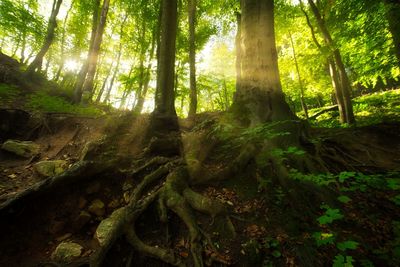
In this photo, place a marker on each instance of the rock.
(82, 203)
(63, 237)
(50, 168)
(93, 188)
(66, 252)
(83, 218)
(56, 227)
(113, 204)
(26, 149)
(97, 207)
(104, 230)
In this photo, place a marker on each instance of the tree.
(88, 70)
(165, 95)
(192, 56)
(51, 27)
(393, 17)
(259, 98)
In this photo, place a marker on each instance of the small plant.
(330, 215)
(324, 238)
(344, 199)
(343, 246)
(343, 261)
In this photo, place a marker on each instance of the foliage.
(330, 215)
(8, 93)
(43, 102)
(343, 261)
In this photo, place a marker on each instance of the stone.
(50, 168)
(104, 230)
(56, 227)
(26, 149)
(83, 218)
(97, 207)
(113, 204)
(93, 188)
(66, 252)
(82, 203)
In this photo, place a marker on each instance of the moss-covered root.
(165, 255)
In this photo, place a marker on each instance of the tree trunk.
(103, 87)
(393, 17)
(260, 98)
(192, 57)
(238, 39)
(62, 52)
(88, 85)
(23, 48)
(165, 95)
(343, 78)
(83, 72)
(332, 71)
(302, 100)
(142, 96)
(52, 25)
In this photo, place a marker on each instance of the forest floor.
(348, 215)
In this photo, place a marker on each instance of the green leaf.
(330, 215)
(393, 184)
(344, 199)
(323, 238)
(343, 261)
(276, 253)
(343, 176)
(343, 246)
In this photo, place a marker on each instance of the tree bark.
(78, 89)
(343, 78)
(165, 95)
(103, 87)
(260, 98)
(88, 85)
(52, 25)
(192, 57)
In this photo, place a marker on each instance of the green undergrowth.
(369, 109)
(43, 102)
(8, 94)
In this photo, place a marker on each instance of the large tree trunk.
(192, 56)
(88, 85)
(84, 69)
(343, 78)
(52, 25)
(165, 95)
(260, 98)
(393, 17)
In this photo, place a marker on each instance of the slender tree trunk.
(337, 86)
(78, 89)
(107, 98)
(88, 85)
(103, 87)
(142, 96)
(127, 90)
(225, 90)
(165, 95)
(260, 98)
(23, 48)
(15, 50)
(393, 17)
(302, 100)
(62, 52)
(238, 41)
(192, 57)
(343, 78)
(52, 25)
